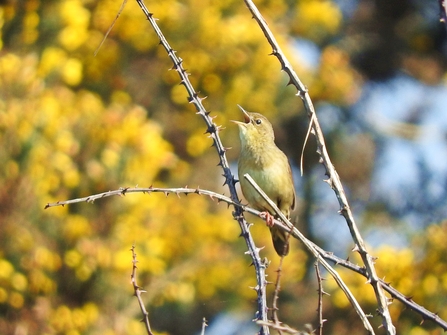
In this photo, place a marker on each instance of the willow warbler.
(269, 167)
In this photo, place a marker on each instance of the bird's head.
(255, 130)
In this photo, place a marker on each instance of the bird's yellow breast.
(271, 171)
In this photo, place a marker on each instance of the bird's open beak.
(246, 118)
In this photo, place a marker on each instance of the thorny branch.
(275, 308)
(204, 325)
(443, 11)
(320, 290)
(138, 291)
(333, 178)
(329, 256)
(213, 131)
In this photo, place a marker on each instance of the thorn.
(211, 129)
(299, 94)
(355, 249)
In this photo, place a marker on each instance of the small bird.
(269, 167)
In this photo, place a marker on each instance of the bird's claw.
(268, 218)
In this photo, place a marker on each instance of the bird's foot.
(268, 218)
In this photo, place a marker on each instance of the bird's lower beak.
(239, 123)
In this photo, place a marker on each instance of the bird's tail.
(280, 241)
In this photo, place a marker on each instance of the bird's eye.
(258, 121)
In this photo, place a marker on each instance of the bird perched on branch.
(269, 167)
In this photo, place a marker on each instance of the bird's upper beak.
(246, 118)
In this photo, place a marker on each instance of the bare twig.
(275, 308)
(320, 290)
(280, 327)
(443, 11)
(213, 131)
(122, 191)
(204, 325)
(333, 178)
(111, 27)
(138, 291)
